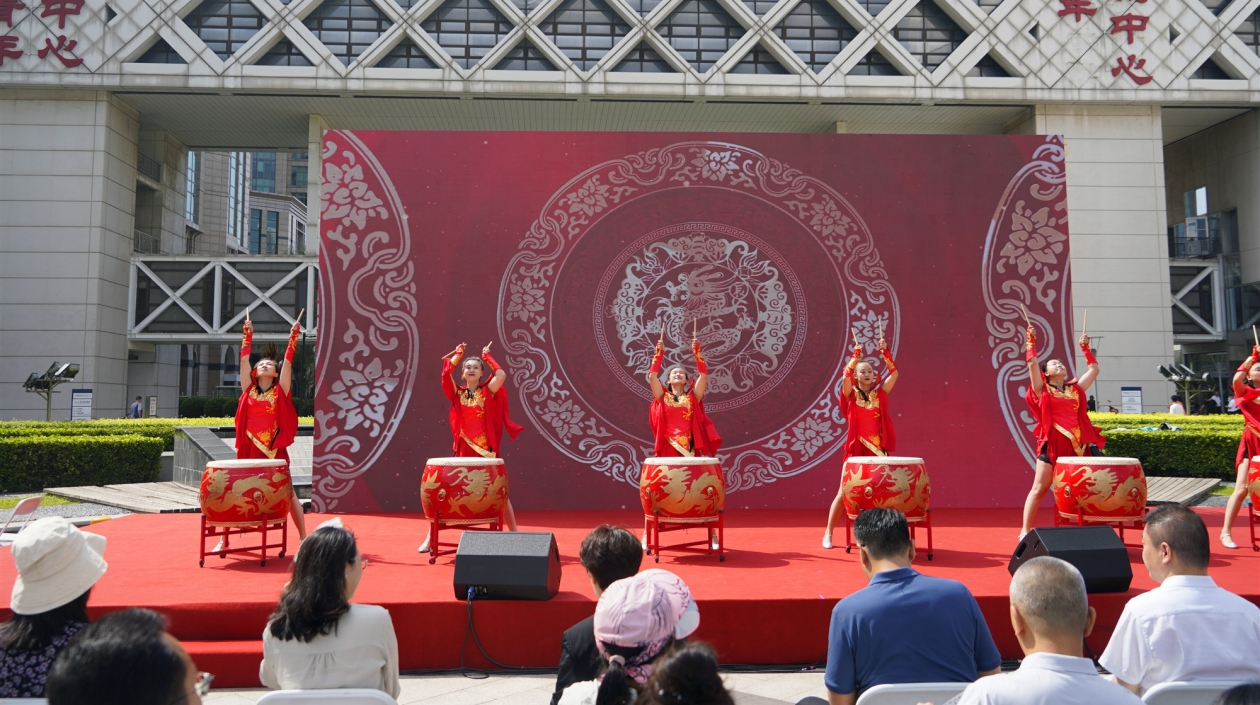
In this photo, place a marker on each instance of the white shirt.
(1186, 629)
(1048, 679)
(1176, 408)
(362, 652)
(583, 693)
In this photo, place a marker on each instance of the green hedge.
(1133, 421)
(1178, 453)
(159, 428)
(192, 407)
(31, 463)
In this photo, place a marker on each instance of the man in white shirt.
(1187, 628)
(1051, 617)
(1176, 407)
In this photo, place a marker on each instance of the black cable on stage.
(479, 674)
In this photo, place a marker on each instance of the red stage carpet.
(769, 603)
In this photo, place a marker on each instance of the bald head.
(1050, 594)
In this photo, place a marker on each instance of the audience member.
(903, 627)
(1051, 618)
(126, 658)
(609, 553)
(686, 675)
(1177, 406)
(1187, 628)
(316, 639)
(57, 566)
(637, 620)
(1245, 694)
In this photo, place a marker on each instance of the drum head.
(883, 460)
(698, 460)
(464, 462)
(1095, 460)
(245, 463)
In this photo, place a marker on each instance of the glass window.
(264, 178)
(585, 30)
(701, 31)
(255, 231)
(297, 175)
(273, 232)
(225, 25)
(191, 191)
(236, 198)
(816, 32)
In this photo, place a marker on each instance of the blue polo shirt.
(907, 628)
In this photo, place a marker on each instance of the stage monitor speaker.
(507, 565)
(1096, 551)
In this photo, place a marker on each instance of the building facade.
(108, 106)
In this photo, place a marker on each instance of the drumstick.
(1256, 337)
(881, 329)
(693, 329)
(1021, 307)
(1085, 323)
(855, 340)
(299, 316)
(487, 348)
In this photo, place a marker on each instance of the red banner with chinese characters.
(574, 251)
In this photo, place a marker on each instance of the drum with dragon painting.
(1099, 489)
(245, 492)
(886, 482)
(1253, 482)
(455, 490)
(682, 488)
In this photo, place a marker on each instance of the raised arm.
(500, 375)
(286, 373)
(1034, 367)
(448, 368)
(1241, 374)
(1087, 379)
(654, 373)
(846, 381)
(702, 370)
(892, 366)
(247, 342)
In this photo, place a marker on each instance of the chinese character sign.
(1130, 24)
(60, 48)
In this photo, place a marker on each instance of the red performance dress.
(870, 425)
(1063, 427)
(681, 428)
(478, 418)
(266, 424)
(1248, 399)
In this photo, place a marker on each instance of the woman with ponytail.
(637, 620)
(686, 675)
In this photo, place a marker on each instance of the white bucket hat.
(55, 563)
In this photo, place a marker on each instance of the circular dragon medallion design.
(676, 239)
(727, 287)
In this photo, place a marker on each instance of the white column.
(1118, 230)
(314, 181)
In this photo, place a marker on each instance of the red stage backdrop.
(573, 250)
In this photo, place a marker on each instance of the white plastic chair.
(24, 510)
(338, 696)
(1188, 692)
(910, 693)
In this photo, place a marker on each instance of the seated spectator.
(1245, 694)
(316, 639)
(637, 620)
(1187, 628)
(1051, 618)
(57, 566)
(609, 553)
(903, 627)
(686, 674)
(126, 658)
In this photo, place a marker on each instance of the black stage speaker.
(507, 565)
(1096, 551)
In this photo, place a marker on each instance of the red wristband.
(701, 366)
(494, 366)
(888, 361)
(1030, 346)
(247, 343)
(1089, 355)
(288, 352)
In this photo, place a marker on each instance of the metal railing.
(146, 244)
(149, 167)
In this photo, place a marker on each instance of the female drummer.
(864, 403)
(479, 413)
(266, 421)
(1063, 427)
(680, 428)
(1247, 396)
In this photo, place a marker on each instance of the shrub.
(1134, 421)
(31, 463)
(192, 407)
(305, 407)
(221, 407)
(1189, 453)
(112, 427)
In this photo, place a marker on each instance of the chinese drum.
(245, 492)
(1253, 482)
(1100, 489)
(464, 490)
(886, 482)
(682, 488)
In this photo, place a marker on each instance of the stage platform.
(769, 603)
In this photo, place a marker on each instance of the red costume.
(680, 427)
(266, 422)
(870, 424)
(478, 418)
(1063, 426)
(1248, 401)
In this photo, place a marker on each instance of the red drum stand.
(657, 525)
